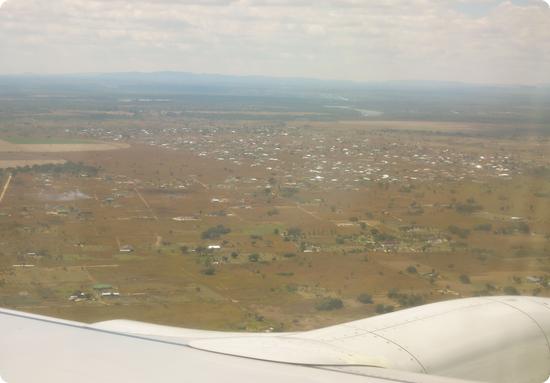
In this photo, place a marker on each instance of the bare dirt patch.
(8, 147)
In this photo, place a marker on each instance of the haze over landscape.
(343, 190)
(488, 41)
(264, 165)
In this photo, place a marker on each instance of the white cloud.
(509, 41)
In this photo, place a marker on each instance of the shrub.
(329, 304)
(405, 300)
(294, 232)
(272, 212)
(383, 309)
(510, 290)
(215, 232)
(382, 237)
(365, 298)
(464, 279)
(289, 192)
(292, 288)
(484, 227)
(209, 270)
(412, 270)
(458, 231)
(254, 257)
(468, 208)
(286, 274)
(522, 227)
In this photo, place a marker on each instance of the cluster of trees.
(464, 279)
(329, 304)
(288, 192)
(215, 232)
(384, 309)
(406, 300)
(209, 270)
(510, 290)
(484, 227)
(517, 227)
(68, 167)
(471, 206)
(365, 298)
(458, 231)
(382, 237)
(293, 233)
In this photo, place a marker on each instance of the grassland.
(76, 244)
(251, 225)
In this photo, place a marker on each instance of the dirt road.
(5, 189)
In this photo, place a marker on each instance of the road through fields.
(5, 189)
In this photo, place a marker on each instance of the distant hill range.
(397, 100)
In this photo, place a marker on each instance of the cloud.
(463, 40)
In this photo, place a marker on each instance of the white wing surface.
(479, 339)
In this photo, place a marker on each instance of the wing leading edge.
(502, 339)
(35, 348)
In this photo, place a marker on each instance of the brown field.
(8, 147)
(378, 212)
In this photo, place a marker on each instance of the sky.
(477, 41)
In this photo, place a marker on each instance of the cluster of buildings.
(332, 158)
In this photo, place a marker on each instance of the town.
(266, 223)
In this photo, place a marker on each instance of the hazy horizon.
(465, 41)
(267, 77)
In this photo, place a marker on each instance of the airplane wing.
(461, 339)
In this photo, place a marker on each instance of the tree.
(210, 270)
(510, 290)
(383, 309)
(329, 304)
(365, 298)
(460, 232)
(464, 279)
(215, 232)
(294, 232)
(484, 227)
